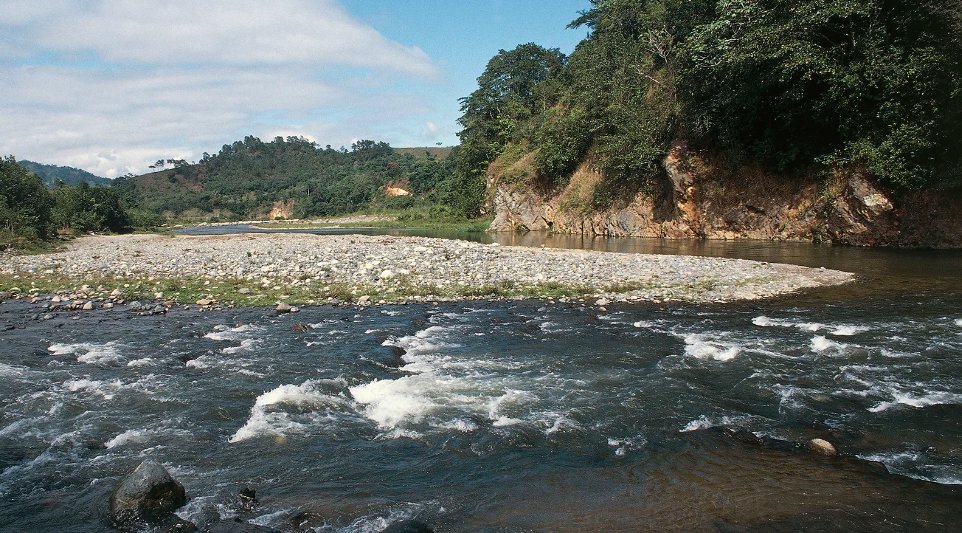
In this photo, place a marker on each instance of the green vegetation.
(293, 176)
(32, 215)
(799, 87)
(51, 174)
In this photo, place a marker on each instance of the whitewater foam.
(702, 346)
(842, 330)
(268, 418)
(227, 333)
(89, 352)
(918, 400)
(244, 346)
(821, 344)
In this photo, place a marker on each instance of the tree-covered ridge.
(794, 86)
(245, 179)
(30, 213)
(51, 174)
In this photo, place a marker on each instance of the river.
(509, 416)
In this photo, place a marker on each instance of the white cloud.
(147, 80)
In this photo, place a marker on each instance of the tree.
(506, 98)
(25, 204)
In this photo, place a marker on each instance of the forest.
(798, 87)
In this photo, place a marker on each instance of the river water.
(509, 416)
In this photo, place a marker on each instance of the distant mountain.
(69, 175)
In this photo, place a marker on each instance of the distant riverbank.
(259, 269)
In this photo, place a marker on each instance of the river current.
(512, 415)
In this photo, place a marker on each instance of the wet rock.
(283, 308)
(823, 447)
(5, 295)
(300, 328)
(148, 493)
(602, 302)
(248, 498)
(408, 526)
(236, 526)
(89, 306)
(179, 525)
(135, 306)
(397, 351)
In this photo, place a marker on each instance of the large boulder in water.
(149, 494)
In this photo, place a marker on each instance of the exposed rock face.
(148, 493)
(698, 200)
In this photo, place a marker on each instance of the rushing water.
(509, 416)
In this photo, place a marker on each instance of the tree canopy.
(795, 86)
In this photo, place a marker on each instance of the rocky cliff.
(699, 199)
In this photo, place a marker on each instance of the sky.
(110, 86)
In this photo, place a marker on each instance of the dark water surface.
(509, 416)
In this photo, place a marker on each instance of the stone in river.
(823, 447)
(283, 308)
(148, 493)
(89, 306)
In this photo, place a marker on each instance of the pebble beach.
(398, 269)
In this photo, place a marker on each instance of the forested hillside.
(797, 88)
(51, 174)
(250, 178)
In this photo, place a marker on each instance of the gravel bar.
(420, 268)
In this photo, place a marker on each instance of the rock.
(248, 498)
(56, 299)
(8, 327)
(823, 447)
(386, 274)
(108, 305)
(300, 328)
(115, 293)
(244, 290)
(179, 525)
(408, 526)
(364, 300)
(5, 295)
(236, 526)
(283, 308)
(135, 306)
(158, 310)
(204, 302)
(148, 493)
(602, 302)
(89, 306)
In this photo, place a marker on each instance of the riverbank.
(260, 269)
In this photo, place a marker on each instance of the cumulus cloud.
(110, 86)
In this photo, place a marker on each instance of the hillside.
(771, 119)
(50, 174)
(287, 178)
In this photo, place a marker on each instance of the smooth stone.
(148, 493)
(89, 306)
(283, 308)
(823, 447)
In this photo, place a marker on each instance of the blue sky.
(112, 85)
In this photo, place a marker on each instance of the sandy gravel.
(420, 267)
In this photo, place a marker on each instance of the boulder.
(149, 494)
(89, 306)
(823, 447)
(283, 308)
(204, 302)
(408, 526)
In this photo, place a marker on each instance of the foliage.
(247, 177)
(30, 213)
(794, 86)
(511, 90)
(82, 208)
(25, 205)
